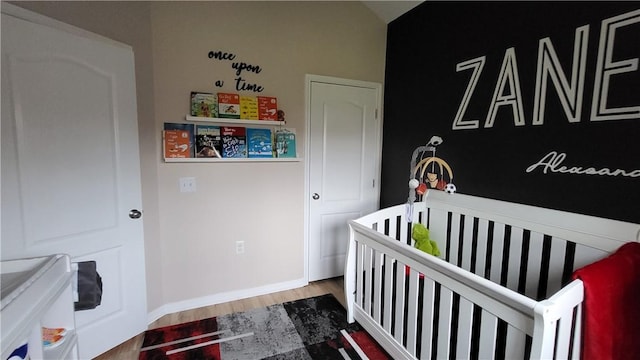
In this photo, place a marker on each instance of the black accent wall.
(574, 158)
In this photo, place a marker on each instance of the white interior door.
(344, 154)
(70, 165)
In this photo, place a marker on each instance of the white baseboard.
(222, 298)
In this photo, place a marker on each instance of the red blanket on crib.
(611, 313)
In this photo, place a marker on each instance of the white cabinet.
(36, 294)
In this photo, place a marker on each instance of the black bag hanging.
(89, 286)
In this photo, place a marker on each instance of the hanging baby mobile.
(429, 171)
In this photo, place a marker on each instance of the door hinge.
(376, 113)
(373, 183)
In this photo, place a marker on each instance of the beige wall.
(259, 203)
(190, 237)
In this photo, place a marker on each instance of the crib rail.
(491, 295)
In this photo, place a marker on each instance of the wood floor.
(129, 349)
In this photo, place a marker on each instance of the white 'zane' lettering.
(570, 90)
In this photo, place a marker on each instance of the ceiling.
(390, 10)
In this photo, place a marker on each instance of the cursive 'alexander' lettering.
(552, 163)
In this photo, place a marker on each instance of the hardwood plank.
(131, 348)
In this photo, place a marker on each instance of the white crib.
(501, 289)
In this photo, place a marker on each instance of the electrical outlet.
(239, 247)
(187, 184)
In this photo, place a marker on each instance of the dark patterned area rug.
(313, 328)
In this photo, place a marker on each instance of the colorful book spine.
(234, 142)
(259, 143)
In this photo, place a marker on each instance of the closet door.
(70, 164)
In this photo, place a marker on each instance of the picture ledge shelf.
(234, 121)
(229, 160)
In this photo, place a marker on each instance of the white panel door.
(344, 167)
(70, 166)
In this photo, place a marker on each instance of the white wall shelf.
(231, 160)
(228, 160)
(235, 121)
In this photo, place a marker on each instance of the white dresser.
(37, 294)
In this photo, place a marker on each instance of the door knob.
(135, 214)
(315, 196)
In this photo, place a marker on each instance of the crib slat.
(467, 244)
(496, 256)
(534, 264)
(388, 292)
(454, 239)
(556, 261)
(412, 313)
(465, 322)
(488, 335)
(405, 236)
(427, 318)
(481, 247)
(516, 341)
(577, 334)
(398, 316)
(359, 273)
(377, 286)
(564, 336)
(515, 253)
(368, 256)
(392, 230)
(444, 323)
(438, 228)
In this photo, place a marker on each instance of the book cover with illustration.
(285, 139)
(259, 143)
(249, 107)
(267, 108)
(190, 128)
(204, 104)
(234, 141)
(176, 144)
(228, 106)
(208, 141)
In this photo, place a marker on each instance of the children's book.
(234, 141)
(208, 141)
(228, 106)
(285, 139)
(176, 144)
(190, 128)
(267, 108)
(248, 107)
(259, 142)
(204, 104)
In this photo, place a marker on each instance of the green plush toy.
(421, 235)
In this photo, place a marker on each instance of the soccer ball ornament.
(450, 188)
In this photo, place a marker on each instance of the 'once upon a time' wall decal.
(241, 84)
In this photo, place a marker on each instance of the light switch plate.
(187, 184)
